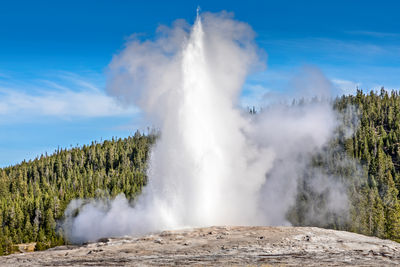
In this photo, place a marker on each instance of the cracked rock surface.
(236, 245)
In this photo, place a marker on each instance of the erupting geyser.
(214, 164)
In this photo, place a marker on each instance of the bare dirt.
(250, 246)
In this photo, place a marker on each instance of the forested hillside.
(376, 145)
(365, 157)
(34, 194)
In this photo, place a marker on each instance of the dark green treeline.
(364, 156)
(376, 146)
(34, 194)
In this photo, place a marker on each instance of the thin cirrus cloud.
(323, 48)
(66, 97)
(374, 34)
(346, 86)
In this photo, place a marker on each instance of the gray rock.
(226, 246)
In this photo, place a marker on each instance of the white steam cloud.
(214, 163)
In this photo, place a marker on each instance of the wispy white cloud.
(68, 97)
(335, 48)
(374, 34)
(53, 85)
(66, 103)
(77, 80)
(345, 86)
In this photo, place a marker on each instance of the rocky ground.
(250, 246)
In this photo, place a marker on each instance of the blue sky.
(53, 55)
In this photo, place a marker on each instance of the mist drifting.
(214, 164)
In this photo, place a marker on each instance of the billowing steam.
(214, 163)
